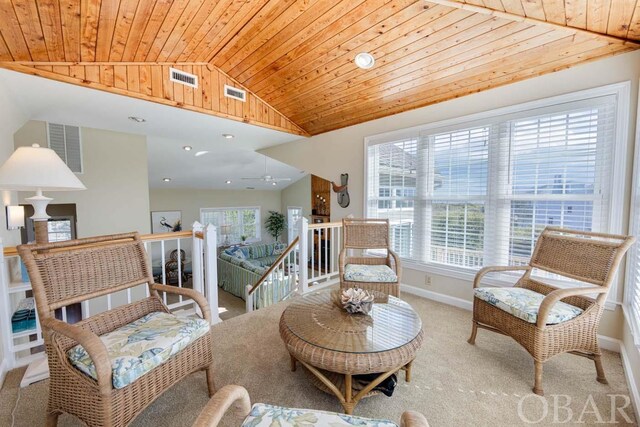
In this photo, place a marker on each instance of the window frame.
(258, 210)
(490, 117)
(632, 318)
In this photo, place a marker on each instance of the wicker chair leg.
(52, 419)
(537, 387)
(474, 332)
(601, 378)
(210, 383)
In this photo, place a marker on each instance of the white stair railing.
(279, 282)
(324, 242)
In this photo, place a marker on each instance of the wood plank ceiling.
(295, 57)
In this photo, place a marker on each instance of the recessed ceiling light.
(228, 181)
(274, 183)
(187, 148)
(227, 135)
(364, 60)
(201, 153)
(166, 179)
(137, 119)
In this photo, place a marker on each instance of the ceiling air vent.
(65, 141)
(235, 93)
(183, 78)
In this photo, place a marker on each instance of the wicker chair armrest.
(189, 293)
(553, 297)
(396, 263)
(91, 343)
(413, 419)
(219, 404)
(342, 261)
(494, 269)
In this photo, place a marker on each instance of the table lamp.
(225, 230)
(38, 169)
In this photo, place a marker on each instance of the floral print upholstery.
(140, 346)
(525, 303)
(263, 415)
(369, 273)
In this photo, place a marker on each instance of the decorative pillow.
(138, 347)
(525, 303)
(237, 252)
(278, 248)
(263, 415)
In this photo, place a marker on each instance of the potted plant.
(275, 224)
(244, 239)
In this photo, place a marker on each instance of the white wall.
(190, 201)
(342, 150)
(115, 173)
(11, 119)
(298, 194)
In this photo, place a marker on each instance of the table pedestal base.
(341, 385)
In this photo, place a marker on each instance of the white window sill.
(468, 275)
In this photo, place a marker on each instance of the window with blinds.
(632, 282)
(479, 192)
(233, 223)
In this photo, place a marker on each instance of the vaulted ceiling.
(295, 57)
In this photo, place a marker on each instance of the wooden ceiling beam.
(520, 18)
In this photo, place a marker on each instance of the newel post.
(211, 270)
(303, 258)
(197, 257)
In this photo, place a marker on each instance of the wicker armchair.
(590, 258)
(236, 396)
(70, 272)
(362, 234)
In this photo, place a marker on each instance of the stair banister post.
(197, 257)
(303, 259)
(248, 299)
(211, 270)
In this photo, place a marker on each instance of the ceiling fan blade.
(281, 179)
(259, 178)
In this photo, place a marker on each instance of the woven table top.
(320, 320)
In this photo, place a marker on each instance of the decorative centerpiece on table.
(356, 300)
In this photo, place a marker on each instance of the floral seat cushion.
(263, 415)
(525, 303)
(369, 273)
(140, 346)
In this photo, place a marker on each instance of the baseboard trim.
(605, 342)
(631, 383)
(4, 369)
(435, 296)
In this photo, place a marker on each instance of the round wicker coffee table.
(334, 346)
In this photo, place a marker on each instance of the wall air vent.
(181, 77)
(66, 142)
(235, 93)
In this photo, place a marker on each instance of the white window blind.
(479, 193)
(236, 222)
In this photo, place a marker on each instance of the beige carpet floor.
(454, 383)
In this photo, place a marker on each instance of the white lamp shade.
(225, 229)
(15, 217)
(37, 168)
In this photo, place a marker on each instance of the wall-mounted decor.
(166, 221)
(342, 190)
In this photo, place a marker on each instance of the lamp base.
(42, 231)
(39, 203)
